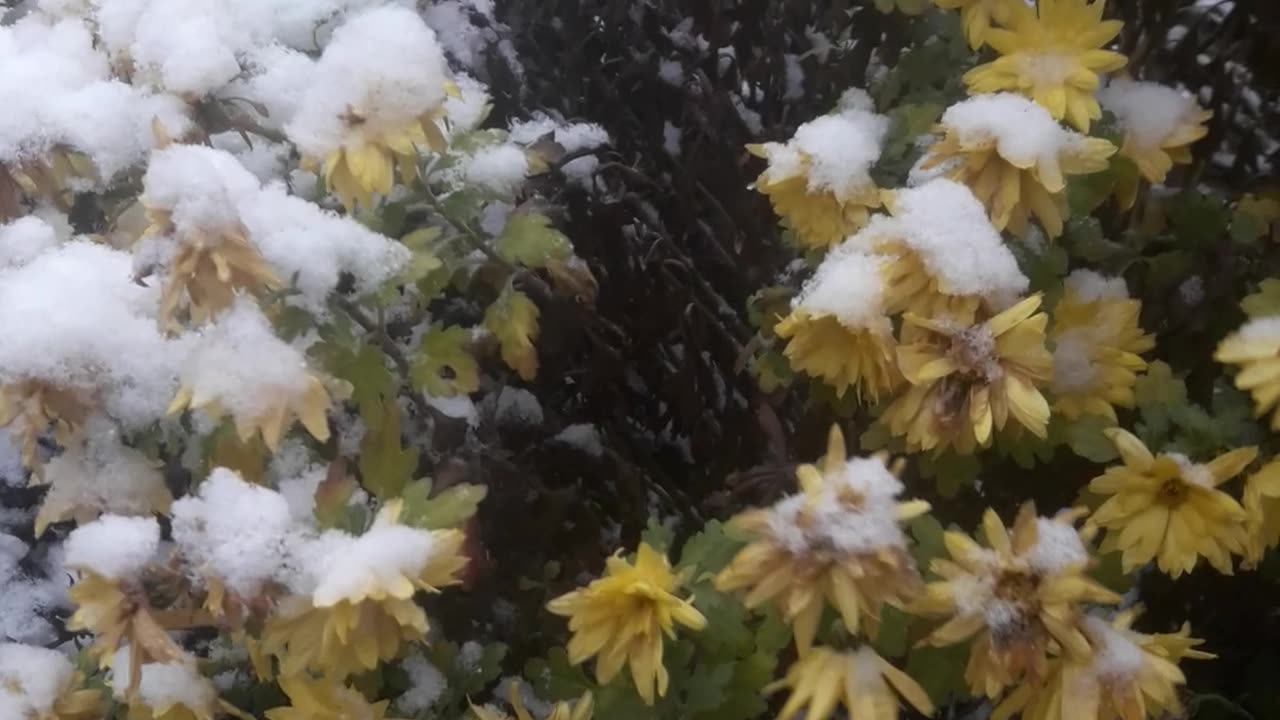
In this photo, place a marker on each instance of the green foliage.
(528, 239)
(443, 366)
(513, 320)
(386, 466)
(450, 508)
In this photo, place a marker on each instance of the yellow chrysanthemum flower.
(907, 7)
(837, 330)
(939, 254)
(1127, 676)
(49, 178)
(370, 159)
(311, 408)
(968, 379)
(272, 386)
(59, 691)
(76, 492)
(579, 709)
(322, 699)
(1097, 346)
(1160, 124)
(978, 16)
(117, 613)
(207, 273)
(621, 618)
(1053, 57)
(197, 700)
(865, 684)
(1255, 347)
(358, 617)
(837, 543)
(39, 407)
(819, 181)
(1018, 595)
(1015, 158)
(1262, 511)
(1168, 508)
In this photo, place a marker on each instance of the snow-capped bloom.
(1014, 157)
(1097, 346)
(1255, 347)
(621, 618)
(324, 699)
(968, 379)
(101, 476)
(367, 114)
(1053, 57)
(360, 609)
(1262, 511)
(1167, 508)
(1127, 675)
(819, 181)
(165, 690)
(43, 685)
(942, 256)
(240, 368)
(838, 543)
(865, 684)
(1017, 595)
(837, 330)
(33, 407)
(1160, 124)
(978, 16)
(112, 554)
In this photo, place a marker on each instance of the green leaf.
(424, 260)
(940, 671)
(1246, 227)
(727, 634)
(657, 536)
(1084, 436)
(950, 470)
(1084, 236)
(529, 240)
(928, 534)
(705, 687)
(448, 509)
(513, 320)
(1158, 394)
(772, 370)
(1043, 263)
(767, 306)
(1109, 572)
(709, 551)
(1168, 269)
(443, 366)
(1264, 302)
(891, 639)
(385, 466)
(371, 380)
(555, 678)
(1198, 220)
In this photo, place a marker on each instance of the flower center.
(1173, 492)
(973, 350)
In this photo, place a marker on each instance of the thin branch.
(393, 351)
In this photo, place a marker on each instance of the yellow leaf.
(513, 320)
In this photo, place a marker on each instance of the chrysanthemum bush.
(270, 273)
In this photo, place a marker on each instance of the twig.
(392, 351)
